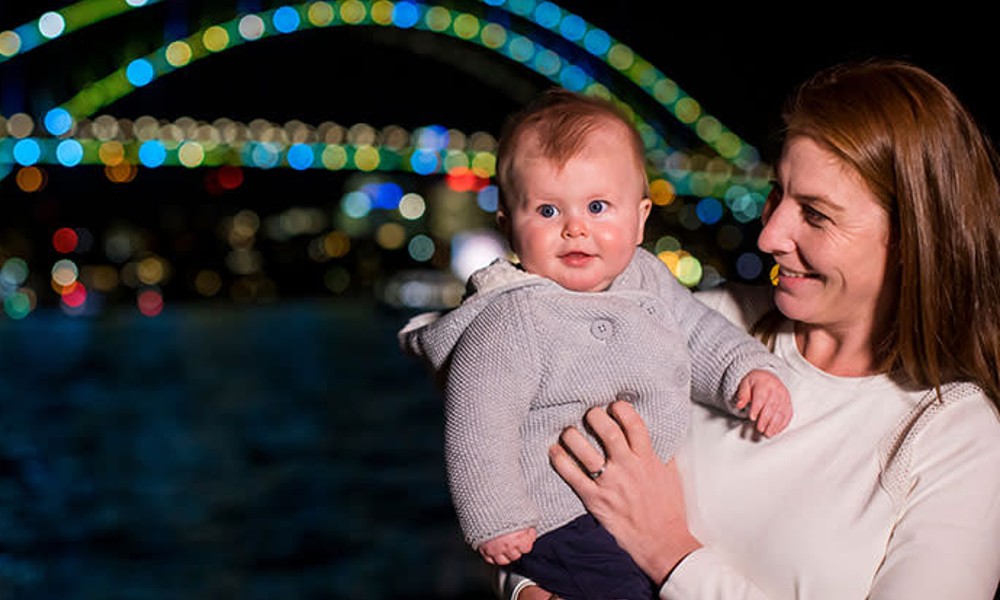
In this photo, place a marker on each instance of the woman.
(884, 221)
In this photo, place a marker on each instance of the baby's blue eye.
(597, 206)
(548, 211)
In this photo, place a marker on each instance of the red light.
(464, 179)
(230, 177)
(76, 297)
(150, 303)
(64, 240)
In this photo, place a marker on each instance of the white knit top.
(873, 491)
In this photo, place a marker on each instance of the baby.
(583, 317)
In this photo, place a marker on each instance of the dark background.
(286, 449)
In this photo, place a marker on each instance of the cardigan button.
(601, 329)
(629, 396)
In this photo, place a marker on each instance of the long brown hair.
(921, 153)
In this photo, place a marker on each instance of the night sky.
(739, 63)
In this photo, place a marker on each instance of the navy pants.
(581, 561)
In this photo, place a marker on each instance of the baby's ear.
(503, 223)
(645, 206)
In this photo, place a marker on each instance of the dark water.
(285, 451)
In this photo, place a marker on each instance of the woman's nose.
(776, 235)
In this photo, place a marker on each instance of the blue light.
(547, 15)
(572, 28)
(286, 19)
(574, 78)
(152, 153)
(749, 265)
(300, 157)
(384, 195)
(421, 248)
(356, 205)
(58, 121)
(433, 137)
(522, 7)
(139, 72)
(709, 211)
(69, 153)
(495, 2)
(27, 152)
(424, 162)
(405, 15)
(264, 155)
(597, 42)
(488, 198)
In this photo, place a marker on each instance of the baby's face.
(578, 225)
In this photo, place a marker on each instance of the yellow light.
(122, 172)
(321, 14)
(366, 158)
(10, 43)
(352, 12)
(493, 36)
(437, 18)
(111, 153)
(729, 145)
(620, 57)
(456, 159)
(151, 270)
(178, 53)
(466, 26)
(687, 110)
(382, 12)
(207, 282)
(670, 258)
(709, 128)
(30, 179)
(689, 270)
(334, 157)
(662, 192)
(215, 38)
(103, 278)
(191, 154)
(666, 91)
(390, 236)
(484, 164)
(336, 244)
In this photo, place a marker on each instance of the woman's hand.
(633, 493)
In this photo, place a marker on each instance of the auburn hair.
(560, 122)
(936, 174)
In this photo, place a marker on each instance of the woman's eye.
(596, 207)
(548, 211)
(813, 216)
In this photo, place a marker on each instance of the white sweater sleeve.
(946, 543)
(702, 575)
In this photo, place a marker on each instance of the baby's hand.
(508, 547)
(770, 405)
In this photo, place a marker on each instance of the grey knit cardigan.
(523, 358)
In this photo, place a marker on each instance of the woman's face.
(829, 235)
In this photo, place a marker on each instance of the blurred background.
(215, 215)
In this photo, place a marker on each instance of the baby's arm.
(768, 400)
(505, 549)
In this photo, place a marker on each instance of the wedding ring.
(597, 473)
